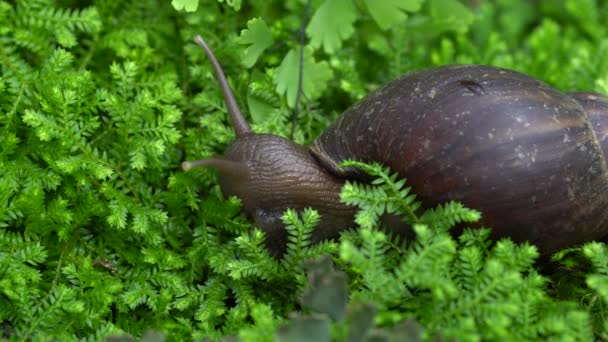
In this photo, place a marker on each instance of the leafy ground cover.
(102, 234)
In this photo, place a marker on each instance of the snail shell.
(521, 152)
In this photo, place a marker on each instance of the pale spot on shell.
(426, 143)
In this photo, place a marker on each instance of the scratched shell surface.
(496, 140)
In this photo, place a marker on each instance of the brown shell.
(521, 152)
(596, 108)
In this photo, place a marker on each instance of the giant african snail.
(527, 156)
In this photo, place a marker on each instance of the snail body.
(529, 157)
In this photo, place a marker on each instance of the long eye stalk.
(241, 127)
(226, 167)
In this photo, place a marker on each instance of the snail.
(531, 158)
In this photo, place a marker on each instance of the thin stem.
(58, 269)
(300, 71)
(90, 52)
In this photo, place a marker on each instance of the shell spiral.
(518, 150)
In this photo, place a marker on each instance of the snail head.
(271, 174)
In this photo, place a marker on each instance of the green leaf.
(187, 5)
(258, 108)
(586, 13)
(236, 4)
(118, 216)
(315, 76)
(602, 85)
(451, 15)
(389, 13)
(328, 29)
(259, 37)
(599, 283)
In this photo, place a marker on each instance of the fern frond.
(428, 261)
(478, 237)
(447, 215)
(139, 294)
(16, 72)
(519, 257)
(258, 264)
(63, 22)
(212, 307)
(469, 265)
(597, 253)
(299, 236)
(264, 327)
(325, 247)
(368, 259)
(33, 39)
(386, 194)
(242, 269)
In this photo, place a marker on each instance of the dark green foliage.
(102, 234)
(464, 290)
